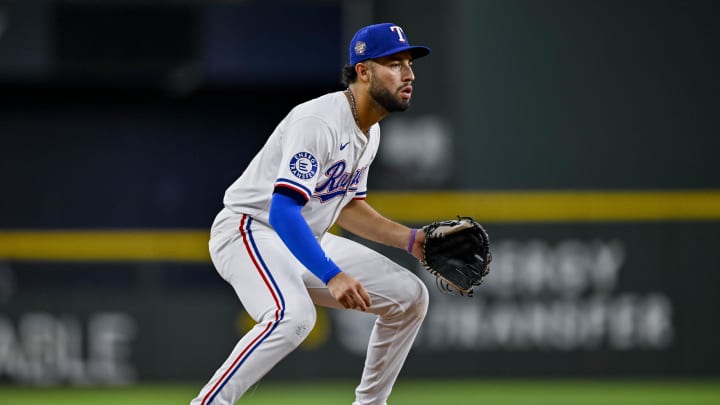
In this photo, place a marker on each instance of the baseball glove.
(457, 252)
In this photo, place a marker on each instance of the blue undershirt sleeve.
(287, 220)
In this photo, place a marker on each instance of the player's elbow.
(283, 209)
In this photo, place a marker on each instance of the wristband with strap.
(413, 233)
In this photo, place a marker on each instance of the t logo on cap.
(379, 40)
(399, 32)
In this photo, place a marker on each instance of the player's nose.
(408, 75)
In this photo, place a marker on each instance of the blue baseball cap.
(376, 41)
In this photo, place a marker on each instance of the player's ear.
(363, 71)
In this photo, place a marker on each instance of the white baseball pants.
(279, 293)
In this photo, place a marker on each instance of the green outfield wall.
(565, 297)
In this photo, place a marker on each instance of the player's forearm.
(288, 222)
(361, 219)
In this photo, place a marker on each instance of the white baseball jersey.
(318, 151)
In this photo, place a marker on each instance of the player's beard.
(385, 98)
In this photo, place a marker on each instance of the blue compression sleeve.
(287, 220)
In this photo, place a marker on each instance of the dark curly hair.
(349, 75)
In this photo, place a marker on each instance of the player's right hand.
(349, 292)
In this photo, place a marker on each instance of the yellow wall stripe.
(555, 206)
(130, 245)
(408, 207)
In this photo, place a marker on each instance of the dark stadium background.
(134, 116)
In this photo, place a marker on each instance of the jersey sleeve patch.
(304, 165)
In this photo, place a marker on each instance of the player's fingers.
(359, 300)
(354, 300)
(346, 302)
(365, 297)
(359, 305)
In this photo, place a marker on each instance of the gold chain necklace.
(353, 107)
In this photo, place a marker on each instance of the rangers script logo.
(338, 182)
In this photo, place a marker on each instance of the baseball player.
(271, 240)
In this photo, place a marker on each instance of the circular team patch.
(303, 165)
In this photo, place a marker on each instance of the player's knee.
(422, 299)
(413, 300)
(297, 322)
